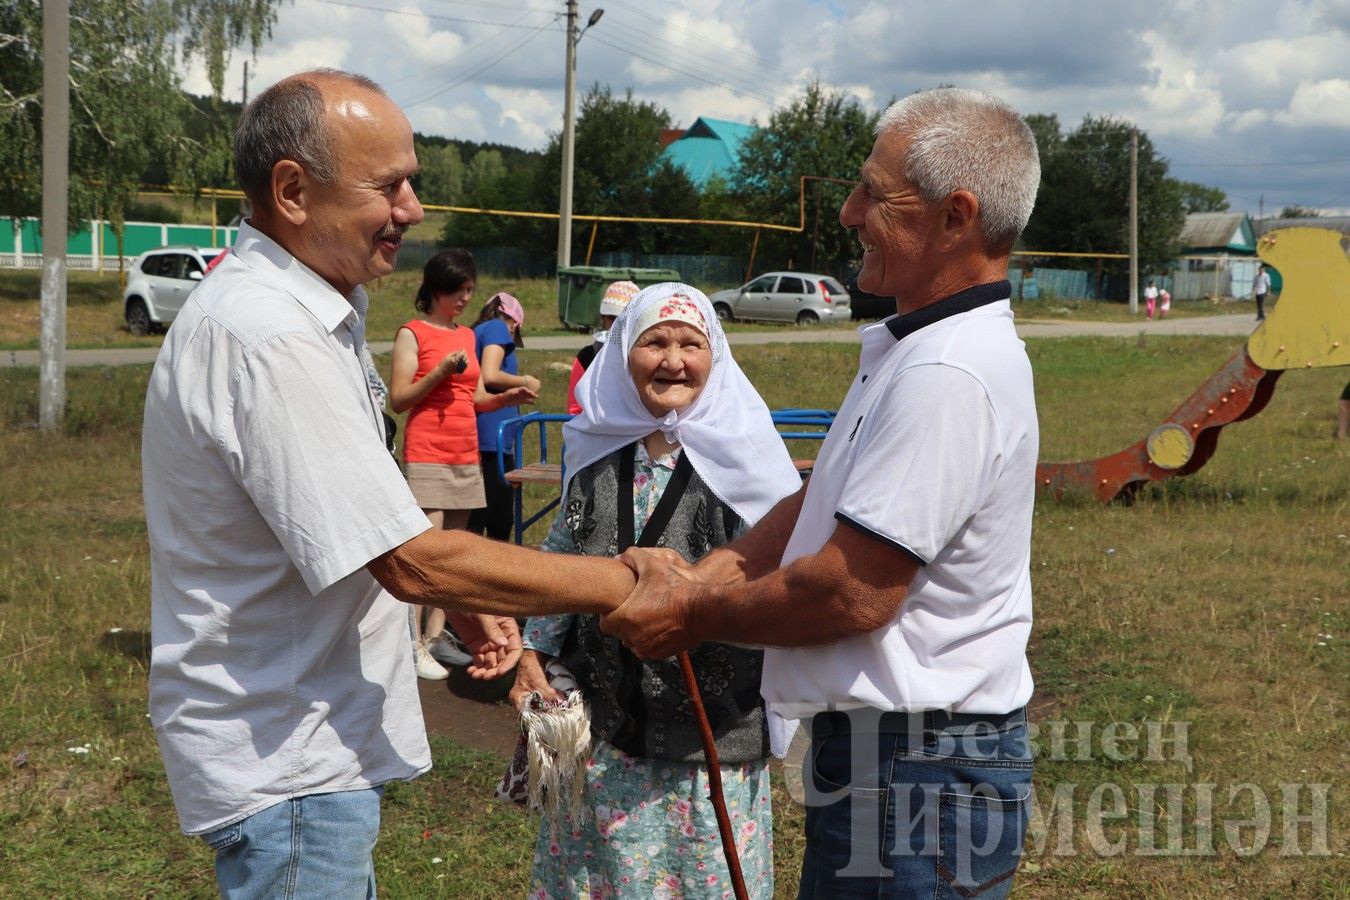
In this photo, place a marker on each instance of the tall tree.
(822, 133)
(616, 173)
(490, 184)
(615, 167)
(441, 179)
(126, 107)
(212, 29)
(1083, 204)
(1199, 198)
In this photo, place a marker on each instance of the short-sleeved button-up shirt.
(279, 667)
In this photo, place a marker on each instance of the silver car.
(800, 297)
(159, 283)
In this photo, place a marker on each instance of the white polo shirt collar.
(902, 327)
(264, 255)
(880, 338)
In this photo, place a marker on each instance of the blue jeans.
(318, 846)
(930, 805)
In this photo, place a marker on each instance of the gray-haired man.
(896, 584)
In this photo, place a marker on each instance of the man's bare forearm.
(757, 552)
(812, 601)
(459, 571)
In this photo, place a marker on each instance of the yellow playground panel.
(1308, 329)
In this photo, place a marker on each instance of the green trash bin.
(581, 287)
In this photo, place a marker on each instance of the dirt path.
(1238, 324)
(474, 713)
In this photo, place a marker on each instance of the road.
(1237, 324)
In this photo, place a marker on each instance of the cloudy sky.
(1252, 96)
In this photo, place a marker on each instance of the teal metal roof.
(709, 147)
(1218, 231)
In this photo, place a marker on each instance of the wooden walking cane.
(719, 800)
(656, 524)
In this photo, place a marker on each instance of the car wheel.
(806, 317)
(723, 311)
(138, 317)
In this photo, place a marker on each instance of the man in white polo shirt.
(282, 689)
(895, 586)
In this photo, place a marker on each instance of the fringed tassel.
(558, 743)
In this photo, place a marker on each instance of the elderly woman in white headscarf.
(673, 448)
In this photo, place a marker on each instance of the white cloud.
(1201, 76)
(1318, 103)
(272, 65)
(532, 115)
(1183, 98)
(463, 121)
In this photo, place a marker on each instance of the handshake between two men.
(659, 604)
(654, 621)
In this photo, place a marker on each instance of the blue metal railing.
(792, 424)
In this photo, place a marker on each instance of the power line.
(420, 15)
(498, 4)
(735, 73)
(480, 48)
(706, 39)
(694, 75)
(479, 70)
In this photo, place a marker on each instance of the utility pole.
(568, 140)
(1134, 221)
(55, 200)
(245, 83)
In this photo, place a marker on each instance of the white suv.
(159, 283)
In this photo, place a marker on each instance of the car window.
(789, 285)
(190, 265)
(761, 285)
(833, 286)
(173, 265)
(153, 265)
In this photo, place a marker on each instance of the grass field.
(1220, 601)
(1106, 311)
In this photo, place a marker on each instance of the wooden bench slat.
(536, 473)
(551, 473)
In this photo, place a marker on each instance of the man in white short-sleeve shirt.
(894, 589)
(282, 688)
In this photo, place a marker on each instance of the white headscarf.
(726, 432)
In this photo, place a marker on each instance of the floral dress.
(649, 829)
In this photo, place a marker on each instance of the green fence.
(94, 243)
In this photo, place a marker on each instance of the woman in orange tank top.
(436, 379)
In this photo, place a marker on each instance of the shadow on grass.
(82, 288)
(131, 644)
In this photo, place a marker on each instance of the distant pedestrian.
(1260, 288)
(1164, 303)
(437, 380)
(497, 335)
(1150, 298)
(616, 298)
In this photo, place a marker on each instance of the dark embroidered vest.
(640, 706)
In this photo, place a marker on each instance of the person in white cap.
(616, 298)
